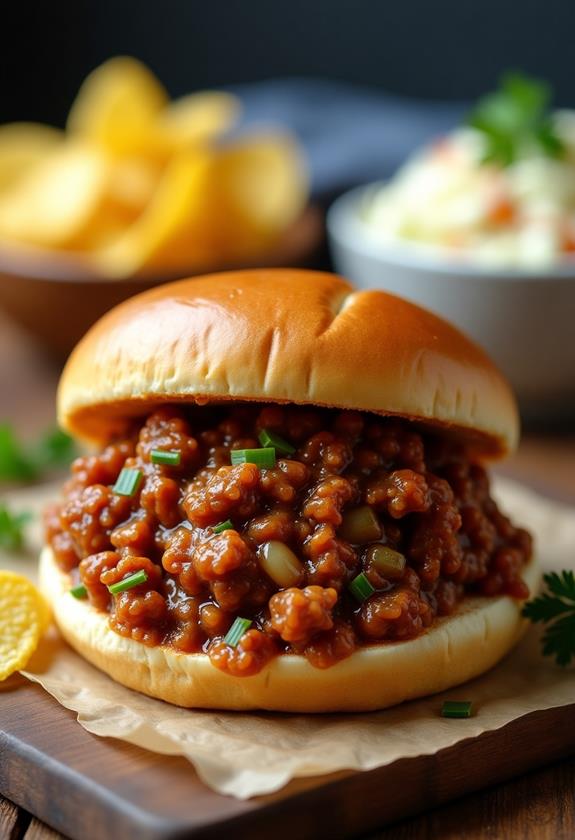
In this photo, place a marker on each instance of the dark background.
(454, 49)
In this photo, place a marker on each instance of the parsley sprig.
(21, 463)
(557, 608)
(12, 528)
(515, 118)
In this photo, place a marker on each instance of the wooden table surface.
(538, 806)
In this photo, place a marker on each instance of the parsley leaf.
(18, 463)
(557, 608)
(514, 118)
(55, 449)
(12, 528)
(15, 465)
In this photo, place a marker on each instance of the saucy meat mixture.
(358, 529)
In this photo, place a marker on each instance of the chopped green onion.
(361, 588)
(279, 444)
(237, 630)
(265, 457)
(79, 591)
(223, 526)
(456, 709)
(128, 583)
(170, 459)
(128, 482)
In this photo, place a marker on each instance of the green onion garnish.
(456, 709)
(128, 583)
(237, 630)
(170, 459)
(265, 457)
(79, 591)
(279, 444)
(223, 526)
(128, 482)
(361, 588)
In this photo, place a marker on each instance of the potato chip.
(22, 619)
(198, 118)
(262, 186)
(178, 210)
(21, 146)
(76, 198)
(117, 107)
(142, 184)
(133, 183)
(45, 612)
(57, 200)
(60, 202)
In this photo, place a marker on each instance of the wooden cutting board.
(89, 787)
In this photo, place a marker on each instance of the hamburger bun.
(283, 335)
(304, 338)
(455, 649)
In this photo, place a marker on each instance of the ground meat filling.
(359, 496)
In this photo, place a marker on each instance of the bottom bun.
(456, 648)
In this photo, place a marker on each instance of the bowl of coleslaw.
(480, 228)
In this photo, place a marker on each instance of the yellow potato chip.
(198, 118)
(133, 183)
(21, 146)
(141, 184)
(263, 187)
(21, 622)
(45, 612)
(178, 211)
(57, 200)
(76, 198)
(117, 107)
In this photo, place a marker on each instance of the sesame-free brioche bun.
(454, 650)
(284, 335)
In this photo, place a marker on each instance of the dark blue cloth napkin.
(351, 134)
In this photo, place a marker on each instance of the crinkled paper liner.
(246, 754)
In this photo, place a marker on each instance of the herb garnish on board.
(12, 528)
(556, 608)
(28, 463)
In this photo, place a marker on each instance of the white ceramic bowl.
(525, 321)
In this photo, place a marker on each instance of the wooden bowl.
(57, 296)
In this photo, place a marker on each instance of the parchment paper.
(245, 755)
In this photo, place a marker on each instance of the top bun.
(283, 335)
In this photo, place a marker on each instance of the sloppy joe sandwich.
(288, 506)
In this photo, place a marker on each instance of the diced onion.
(360, 525)
(280, 563)
(386, 560)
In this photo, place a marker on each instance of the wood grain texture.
(12, 820)
(537, 806)
(39, 831)
(96, 788)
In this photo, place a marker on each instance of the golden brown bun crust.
(456, 649)
(283, 335)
